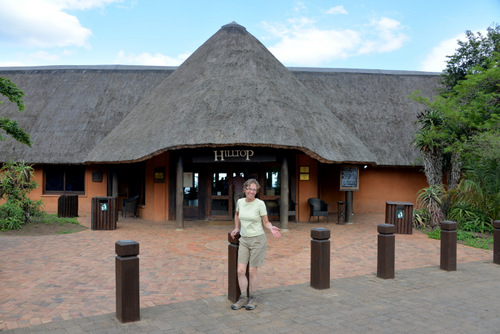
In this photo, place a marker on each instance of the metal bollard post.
(320, 258)
(386, 249)
(127, 281)
(496, 242)
(448, 246)
(233, 287)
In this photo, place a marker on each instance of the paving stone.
(67, 285)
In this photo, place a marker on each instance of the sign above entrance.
(234, 155)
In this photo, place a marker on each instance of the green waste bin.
(104, 213)
(67, 206)
(400, 214)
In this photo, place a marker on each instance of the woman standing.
(250, 220)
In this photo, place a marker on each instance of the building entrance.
(212, 183)
(226, 187)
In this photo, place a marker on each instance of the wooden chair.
(318, 208)
(130, 205)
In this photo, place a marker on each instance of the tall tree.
(15, 95)
(467, 107)
(475, 51)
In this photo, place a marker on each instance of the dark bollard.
(496, 242)
(386, 250)
(233, 287)
(448, 246)
(127, 281)
(320, 258)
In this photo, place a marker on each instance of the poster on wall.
(349, 178)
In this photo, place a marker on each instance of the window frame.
(65, 169)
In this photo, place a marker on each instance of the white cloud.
(44, 56)
(83, 4)
(383, 35)
(299, 6)
(313, 46)
(145, 58)
(337, 10)
(302, 43)
(44, 23)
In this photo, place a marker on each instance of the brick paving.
(65, 283)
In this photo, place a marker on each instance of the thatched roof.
(231, 91)
(375, 106)
(69, 110)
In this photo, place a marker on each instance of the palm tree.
(430, 141)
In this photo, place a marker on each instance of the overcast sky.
(370, 34)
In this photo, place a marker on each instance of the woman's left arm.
(275, 231)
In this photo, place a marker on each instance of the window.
(60, 179)
(272, 181)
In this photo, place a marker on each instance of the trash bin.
(104, 213)
(400, 214)
(67, 206)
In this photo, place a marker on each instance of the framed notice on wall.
(349, 178)
(159, 175)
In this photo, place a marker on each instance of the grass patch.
(53, 219)
(47, 224)
(476, 240)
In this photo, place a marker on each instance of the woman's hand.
(234, 232)
(275, 231)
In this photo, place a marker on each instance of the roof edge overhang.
(211, 145)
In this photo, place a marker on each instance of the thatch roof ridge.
(83, 68)
(361, 71)
(231, 91)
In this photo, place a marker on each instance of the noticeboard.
(349, 178)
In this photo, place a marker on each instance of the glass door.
(271, 190)
(220, 205)
(191, 195)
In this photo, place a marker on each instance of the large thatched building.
(177, 137)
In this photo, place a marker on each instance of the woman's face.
(251, 191)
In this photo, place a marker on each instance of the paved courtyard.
(66, 283)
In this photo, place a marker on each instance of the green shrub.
(435, 234)
(16, 182)
(12, 216)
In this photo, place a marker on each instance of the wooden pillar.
(320, 258)
(285, 195)
(448, 246)
(386, 249)
(179, 195)
(496, 242)
(348, 206)
(115, 184)
(127, 281)
(233, 286)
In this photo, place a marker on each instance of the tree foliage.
(459, 132)
(15, 95)
(16, 182)
(475, 51)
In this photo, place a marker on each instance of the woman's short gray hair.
(249, 182)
